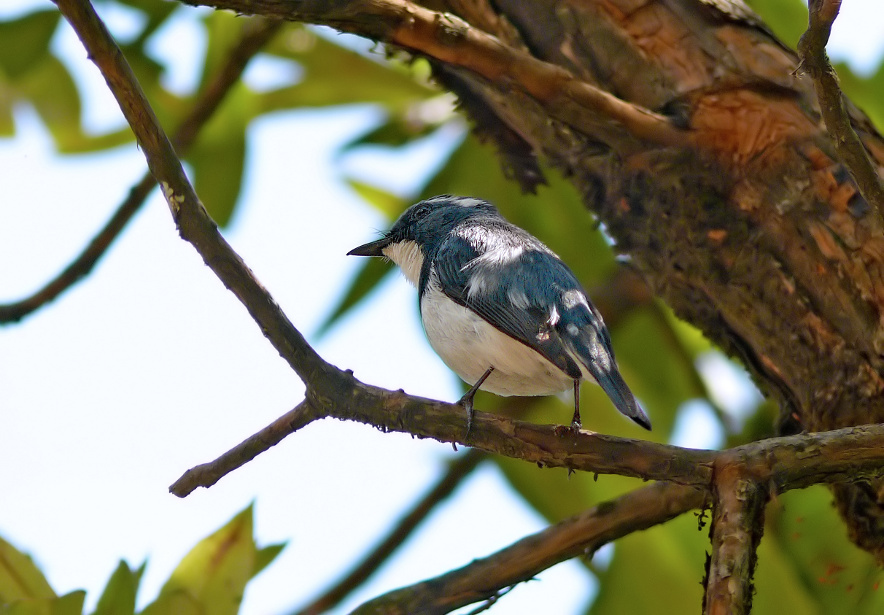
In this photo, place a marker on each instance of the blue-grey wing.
(515, 291)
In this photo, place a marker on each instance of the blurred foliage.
(210, 579)
(805, 563)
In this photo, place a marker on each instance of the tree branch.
(812, 49)
(449, 39)
(256, 35)
(737, 526)
(585, 533)
(792, 462)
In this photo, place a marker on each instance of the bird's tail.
(594, 351)
(613, 384)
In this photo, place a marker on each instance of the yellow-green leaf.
(26, 41)
(20, 578)
(120, 592)
(213, 576)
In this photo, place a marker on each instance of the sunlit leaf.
(212, 577)
(120, 592)
(175, 602)
(778, 585)
(19, 576)
(69, 604)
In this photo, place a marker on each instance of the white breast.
(469, 346)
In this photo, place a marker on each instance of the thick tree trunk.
(709, 165)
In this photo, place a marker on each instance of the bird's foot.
(467, 403)
(467, 400)
(568, 430)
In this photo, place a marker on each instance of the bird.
(500, 308)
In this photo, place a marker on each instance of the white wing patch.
(572, 298)
(518, 298)
(408, 255)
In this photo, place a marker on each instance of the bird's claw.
(466, 402)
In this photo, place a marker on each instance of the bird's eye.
(421, 211)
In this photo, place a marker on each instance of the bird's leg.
(467, 400)
(575, 422)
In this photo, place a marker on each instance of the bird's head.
(421, 229)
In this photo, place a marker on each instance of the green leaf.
(865, 92)
(372, 271)
(787, 18)
(655, 571)
(334, 75)
(120, 592)
(69, 604)
(807, 532)
(395, 131)
(386, 202)
(175, 602)
(212, 577)
(26, 41)
(20, 579)
(224, 30)
(7, 121)
(778, 588)
(265, 556)
(156, 12)
(218, 157)
(657, 367)
(51, 90)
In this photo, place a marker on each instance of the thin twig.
(482, 579)
(207, 474)
(814, 61)
(257, 33)
(457, 471)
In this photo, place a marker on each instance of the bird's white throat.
(406, 254)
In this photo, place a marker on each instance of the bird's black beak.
(374, 248)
